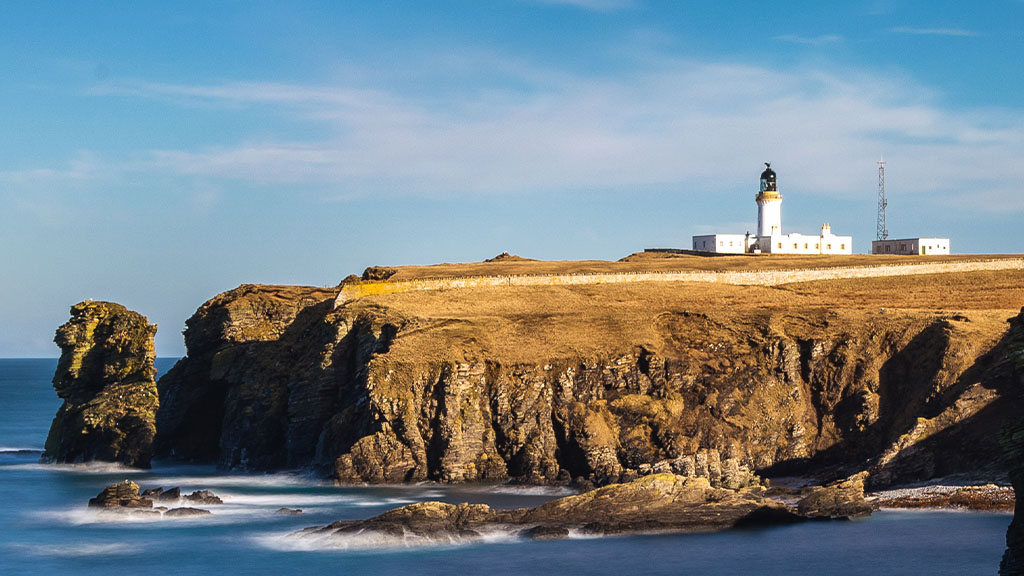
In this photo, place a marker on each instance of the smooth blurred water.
(45, 527)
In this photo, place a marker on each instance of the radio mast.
(882, 231)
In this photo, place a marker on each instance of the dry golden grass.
(668, 262)
(526, 323)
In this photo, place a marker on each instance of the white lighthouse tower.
(769, 205)
(769, 238)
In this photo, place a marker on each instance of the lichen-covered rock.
(105, 376)
(124, 494)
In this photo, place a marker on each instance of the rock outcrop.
(105, 376)
(600, 384)
(125, 498)
(840, 499)
(1012, 440)
(124, 494)
(656, 503)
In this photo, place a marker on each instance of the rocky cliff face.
(437, 386)
(106, 377)
(1012, 440)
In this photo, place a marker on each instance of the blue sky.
(156, 155)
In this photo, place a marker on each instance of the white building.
(723, 243)
(937, 246)
(769, 238)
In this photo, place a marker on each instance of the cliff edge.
(105, 376)
(904, 377)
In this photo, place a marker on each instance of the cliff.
(905, 377)
(1012, 440)
(105, 376)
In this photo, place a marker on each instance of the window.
(828, 246)
(842, 246)
(794, 246)
(721, 242)
(780, 245)
(816, 246)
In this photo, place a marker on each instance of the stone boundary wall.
(750, 278)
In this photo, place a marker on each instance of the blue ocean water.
(45, 527)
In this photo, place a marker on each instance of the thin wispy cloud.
(932, 31)
(664, 124)
(595, 5)
(811, 40)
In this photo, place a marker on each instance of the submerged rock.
(105, 376)
(186, 512)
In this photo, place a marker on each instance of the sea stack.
(106, 378)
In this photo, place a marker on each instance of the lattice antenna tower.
(882, 231)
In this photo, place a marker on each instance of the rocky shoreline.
(651, 504)
(989, 497)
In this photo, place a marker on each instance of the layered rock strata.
(105, 376)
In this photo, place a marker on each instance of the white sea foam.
(368, 502)
(553, 491)
(16, 449)
(283, 479)
(372, 540)
(73, 550)
(219, 515)
(291, 500)
(83, 468)
(577, 534)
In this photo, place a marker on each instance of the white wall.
(721, 243)
(934, 246)
(804, 244)
(769, 217)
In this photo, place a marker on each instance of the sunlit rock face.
(106, 378)
(595, 385)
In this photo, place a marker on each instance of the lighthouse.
(769, 238)
(769, 204)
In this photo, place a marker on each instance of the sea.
(46, 527)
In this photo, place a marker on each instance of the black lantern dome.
(768, 178)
